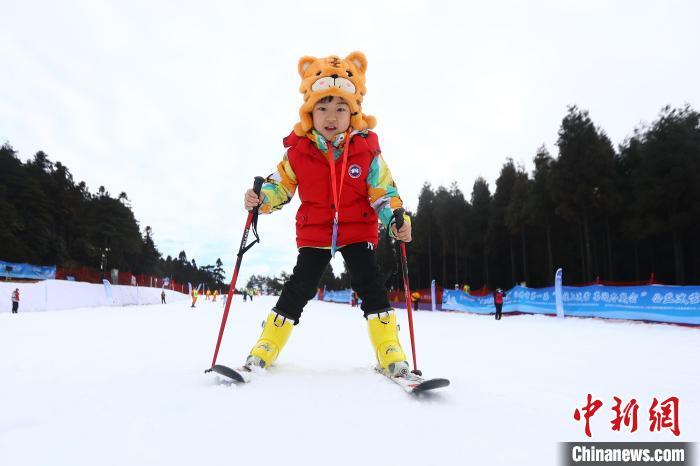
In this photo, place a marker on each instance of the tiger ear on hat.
(304, 63)
(359, 60)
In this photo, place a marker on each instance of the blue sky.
(180, 106)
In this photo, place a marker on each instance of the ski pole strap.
(254, 225)
(337, 191)
(257, 186)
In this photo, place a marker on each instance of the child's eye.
(342, 109)
(321, 109)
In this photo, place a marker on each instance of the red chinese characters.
(666, 417)
(628, 415)
(588, 411)
(662, 415)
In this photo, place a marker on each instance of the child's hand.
(251, 200)
(404, 234)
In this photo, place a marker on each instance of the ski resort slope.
(125, 386)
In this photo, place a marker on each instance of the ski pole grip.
(257, 184)
(398, 218)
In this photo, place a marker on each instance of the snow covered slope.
(125, 386)
(53, 295)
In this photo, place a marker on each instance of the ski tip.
(226, 372)
(431, 384)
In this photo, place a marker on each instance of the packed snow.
(125, 385)
(52, 295)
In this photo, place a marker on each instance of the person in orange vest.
(15, 301)
(208, 295)
(415, 297)
(194, 297)
(498, 296)
(216, 293)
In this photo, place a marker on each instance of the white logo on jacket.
(354, 171)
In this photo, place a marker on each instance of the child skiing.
(345, 187)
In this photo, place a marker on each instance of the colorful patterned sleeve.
(383, 195)
(279, 187)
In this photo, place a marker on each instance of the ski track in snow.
(125, 386)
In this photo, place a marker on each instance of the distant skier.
(415, 297)
(251, 293)
(195, 294)
(245, 295)
(345, 186)
(15, 301)
(162, 297)
(498, 296)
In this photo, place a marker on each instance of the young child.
(345, 187)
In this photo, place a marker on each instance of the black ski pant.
(499, 307)
(365, 278)
(15, 306)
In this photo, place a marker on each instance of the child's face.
(331, 118)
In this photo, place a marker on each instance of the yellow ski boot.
(384, 335)
(276, 331)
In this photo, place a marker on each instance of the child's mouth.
(330, 128)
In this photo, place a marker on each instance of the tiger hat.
(333, 76)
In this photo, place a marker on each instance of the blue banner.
(36, 272)
(657, 303)
(339, 296)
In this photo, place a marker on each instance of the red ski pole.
(251, 221)
(398, 216)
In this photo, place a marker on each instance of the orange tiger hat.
(321, 77)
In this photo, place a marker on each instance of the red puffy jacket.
(357, 220)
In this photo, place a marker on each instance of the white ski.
(414, 384)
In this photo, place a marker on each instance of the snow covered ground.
(125, 386)
(53, 295)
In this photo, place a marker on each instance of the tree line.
(618, 215)
(274, 284)
(48, 219)
(599, 212)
